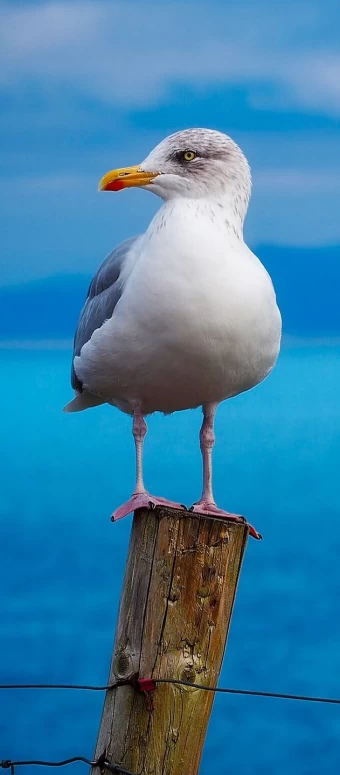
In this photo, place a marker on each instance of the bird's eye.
(189, 155)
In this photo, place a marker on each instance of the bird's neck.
(225, 213)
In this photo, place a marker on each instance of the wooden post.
(176, 605)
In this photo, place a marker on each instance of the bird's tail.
(83, 401)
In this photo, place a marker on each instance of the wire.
(101, 762)
(7, 763)
(84, 687)
(115, 769)
(217, 689)
(249, 692)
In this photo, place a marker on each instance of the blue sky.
(86, 85)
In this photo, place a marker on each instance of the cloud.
(130, 54)
(50, 183)
(297, 181)
(92, 84)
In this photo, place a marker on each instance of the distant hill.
(307, 283)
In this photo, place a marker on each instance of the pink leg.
(207, 441)
(139, 430)
(206, 503)
(140, 498)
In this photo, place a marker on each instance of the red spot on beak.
(116, 185)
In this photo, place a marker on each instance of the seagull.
(184, 315)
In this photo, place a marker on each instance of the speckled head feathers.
(199, 163)
(207, 143)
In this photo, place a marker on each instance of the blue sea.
(277, 460)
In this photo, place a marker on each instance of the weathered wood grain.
(177, 600)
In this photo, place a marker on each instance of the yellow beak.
(126, 177)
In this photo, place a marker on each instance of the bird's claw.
(142, 500)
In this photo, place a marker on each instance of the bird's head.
(193, 163)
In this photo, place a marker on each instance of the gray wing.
(103, 294)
